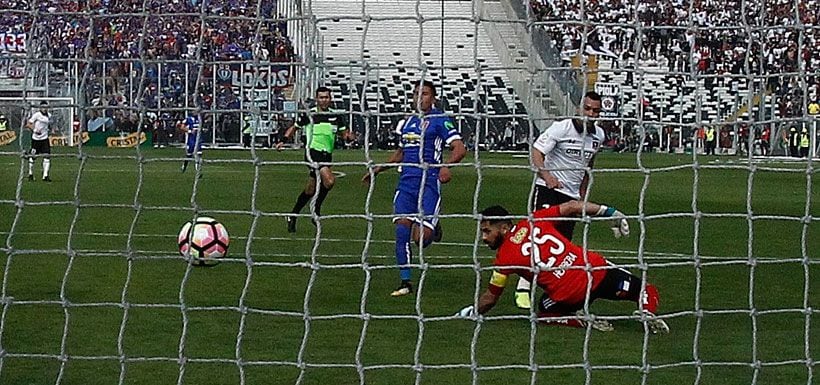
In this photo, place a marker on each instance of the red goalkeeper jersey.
(560, 263)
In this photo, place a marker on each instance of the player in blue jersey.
(422, 140)
(193, 142)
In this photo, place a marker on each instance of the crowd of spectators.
(708, 37)
(150, 53)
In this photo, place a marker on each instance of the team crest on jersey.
(596, 144)
(520, 235)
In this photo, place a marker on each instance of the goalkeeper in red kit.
(536, 250)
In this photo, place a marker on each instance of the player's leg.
(197, 151)
(302, 200)
(328, 180)
(32, 153)
(551, 312)
(429, 230)
(621, 285)
(46, 151)
(404, 256)
(198, 158)
(190, 148)
(404, 206)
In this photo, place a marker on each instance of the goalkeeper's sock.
(403, 252)
(522, 294)
(301, 201)
(650, 299)
(321, 198)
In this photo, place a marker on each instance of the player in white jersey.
(562, 153)
(38, 124)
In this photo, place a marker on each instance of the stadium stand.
(378, 76)
(692, 45)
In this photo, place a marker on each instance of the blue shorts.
(406, 202)
(192, 144)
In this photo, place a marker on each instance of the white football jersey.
(567, 153)
(40, 123)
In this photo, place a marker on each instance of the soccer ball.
(204, 241)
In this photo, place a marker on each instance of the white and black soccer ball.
(203, 241)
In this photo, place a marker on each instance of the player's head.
(494, 227)
(323, 98)
(2, 117)
(591, 107)
(43, 106)
(424, 95)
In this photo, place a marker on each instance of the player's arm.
(619, 226)
(538, 156)
(396, 157)
(30, 122)
(489, 297)
(457, 153)
(585, 181)
(288, 134)
(457, 149)
(347, 132)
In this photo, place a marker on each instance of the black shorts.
(39, 147)
(617, 285)
(318, 157)
(544, 197)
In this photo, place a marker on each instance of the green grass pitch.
(91, 271)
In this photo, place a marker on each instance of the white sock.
(523, 285)
(46, 166)
(31, 165)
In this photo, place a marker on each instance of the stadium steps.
(398, 52)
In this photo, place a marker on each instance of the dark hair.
(495, 211)
(592, 95)
(427, 83)
(322, 89)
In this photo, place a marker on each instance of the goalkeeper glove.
(620, 227)
(468, 311)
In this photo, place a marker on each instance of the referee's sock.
(321, 198)
(301, 201)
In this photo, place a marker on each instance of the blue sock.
(403, 252)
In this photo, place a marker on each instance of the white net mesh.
(93, 286)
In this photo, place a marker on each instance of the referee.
(38, 124)
(321, 124)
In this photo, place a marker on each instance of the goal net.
(94, 287)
